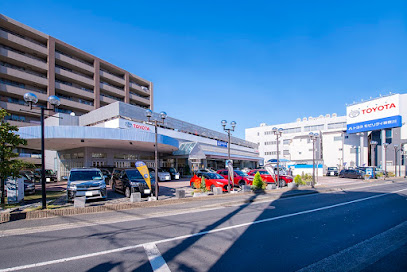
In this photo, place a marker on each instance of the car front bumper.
(88, 194)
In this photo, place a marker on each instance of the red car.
(265, 175)
(211, 180)
(240, 178)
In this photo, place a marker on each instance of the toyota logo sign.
(354, 113)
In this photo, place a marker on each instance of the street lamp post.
(278, 132)
(385, 145)
(155, 123)
(373, 145)
(313, 137)
(54, 101)
(395, 158)
(228, 130)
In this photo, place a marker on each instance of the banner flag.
(142, 168)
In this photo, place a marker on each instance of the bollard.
(246, 188)
(271, 187)
(292, 186)
(135, 197)
(79, 202)
(217, 191)
(180, 193)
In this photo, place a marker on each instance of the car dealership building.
(371, 134)
(118, 135)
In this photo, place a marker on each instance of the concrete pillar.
(151, 96)
(96, 89)
(51, 67)
(363, 155)
(383, 138)
(127, 87)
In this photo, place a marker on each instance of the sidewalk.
(147, 208)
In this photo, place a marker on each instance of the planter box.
(200, 194)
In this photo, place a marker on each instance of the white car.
(162, 174)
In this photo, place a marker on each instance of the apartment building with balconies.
(31, 61)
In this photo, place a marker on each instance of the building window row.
(23, 37)
(272, 153)
(313, 128)
(21, 85)
(74, 58)
(112, 97)
(271, 143)
(22, 53)
(74, 85)
(73, 71)
(29, 71)
(110, 73)
(337, 125)
(292, 130)
(111, 85)
(136, 94)
(286, 142)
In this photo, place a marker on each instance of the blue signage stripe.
(222, 144)
(388, 122)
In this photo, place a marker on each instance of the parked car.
(352, 173)
(87, 182)
(332, 171)
(268, 178)
(50, 175)
(173, 172)
(240, 178)
(29, 186)
(212, 180)
(106, 174)
(130, 181)
(28, 174)
(162, 174)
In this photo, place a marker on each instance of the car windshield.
(86, 175)
(332, 168)
(241, 173)
(134, 174)
(264, 173)
(212, 176)
(49, 172)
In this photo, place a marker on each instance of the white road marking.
(156, 260)
(194, 234)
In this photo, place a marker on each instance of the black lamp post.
(313, 137)
(278, 132)
(385, 145)
(396, 149)
(54, 101)
(155, 123)
(228, 130)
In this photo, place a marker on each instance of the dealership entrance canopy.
(117, 135)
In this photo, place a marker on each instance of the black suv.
(50, 175)
(130, 180)
(173, 172)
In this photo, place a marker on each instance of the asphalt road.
(364, 229)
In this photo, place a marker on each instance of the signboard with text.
(376, 114)
(222, 144)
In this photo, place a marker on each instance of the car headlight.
(134, 183)
(219, 183)
(102, 185)
(72, 187)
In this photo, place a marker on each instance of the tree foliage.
(258, 182)
(9, 141)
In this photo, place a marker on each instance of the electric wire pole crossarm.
(155, 123)
(228, 130)
(54, 101)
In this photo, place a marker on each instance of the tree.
(9, 142)
(258, 182)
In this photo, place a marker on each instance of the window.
(338, 138)
(312, 128)
(292, 130)
(99, 155)
(286, 152)
(286, 142)
(337, 125)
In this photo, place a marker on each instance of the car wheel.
(242, 183)
(282, 183)
(212, 187)
(113, 186)
(127, 192)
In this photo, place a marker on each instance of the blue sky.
(248, 61)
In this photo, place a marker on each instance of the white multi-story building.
(344, 141)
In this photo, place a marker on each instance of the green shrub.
(379, 175)
(298, 180)
(258, 183)
(203, 185)
(390, 174)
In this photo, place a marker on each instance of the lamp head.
(163, 115)
(274, 129)
(233, 124)
(373, 142)
(385, 145)
(54, 101)
(148, 113)
(224, 122)
(30, 98)
(311, 134)
(280, 130)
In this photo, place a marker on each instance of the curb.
(39, 214)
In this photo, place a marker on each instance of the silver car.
(86, 182)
